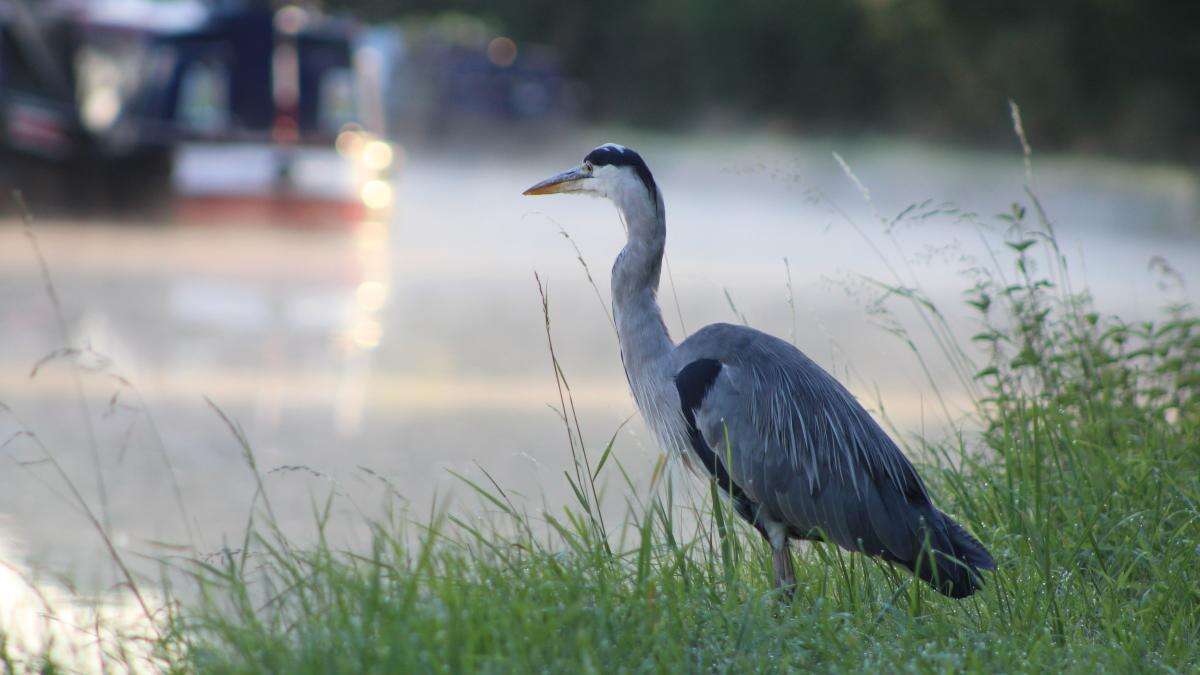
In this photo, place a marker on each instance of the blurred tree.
(1108, 75)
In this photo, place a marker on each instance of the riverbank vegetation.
(1078, 467)
(1096, 76)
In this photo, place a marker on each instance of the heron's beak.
(567, 181)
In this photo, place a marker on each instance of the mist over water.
(418, 347)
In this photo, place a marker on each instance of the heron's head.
(611, 171)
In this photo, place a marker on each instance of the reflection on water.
(41, 618)
(416, 345)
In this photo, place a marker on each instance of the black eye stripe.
(616, 155)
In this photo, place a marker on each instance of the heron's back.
(808, 454)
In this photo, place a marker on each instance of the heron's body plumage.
(808, 455)
(797, 453)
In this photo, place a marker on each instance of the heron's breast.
(658, 402)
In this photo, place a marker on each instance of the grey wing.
(799, 445)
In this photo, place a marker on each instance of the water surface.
(417, 346)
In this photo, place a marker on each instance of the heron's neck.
(645, 342)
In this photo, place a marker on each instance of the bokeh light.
(291, 19)
(371, 295)
(502, 51)
(350, 141)
(377, 155)
(376, 194)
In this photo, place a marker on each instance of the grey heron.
(795, 452)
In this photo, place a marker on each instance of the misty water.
(404, 350)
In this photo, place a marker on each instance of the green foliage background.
(1115, 76)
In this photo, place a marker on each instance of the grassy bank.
(1084, 480)
(1078, 467)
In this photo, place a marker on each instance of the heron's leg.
(781, 557)
(785, 574)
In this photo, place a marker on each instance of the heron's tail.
(958, 558)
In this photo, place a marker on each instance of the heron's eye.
(587, 166)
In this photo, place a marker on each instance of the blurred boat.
(152, 107)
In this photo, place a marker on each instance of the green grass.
(1082, 476)
(1084, 482)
